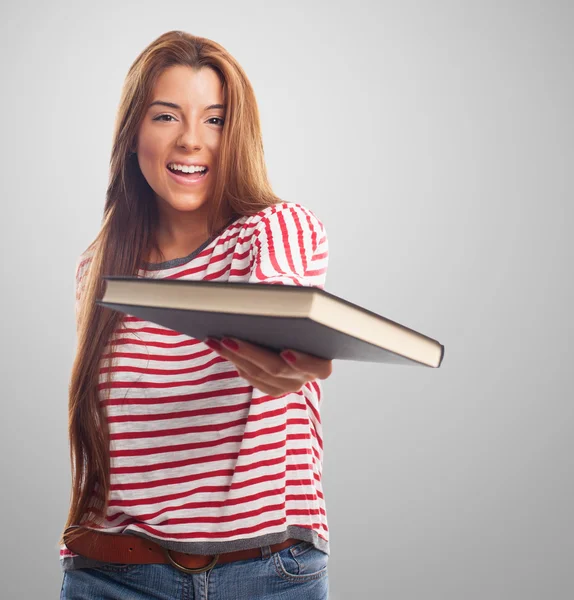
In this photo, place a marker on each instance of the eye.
(160, 118)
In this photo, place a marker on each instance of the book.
(277, 317)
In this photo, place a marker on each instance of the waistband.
(127, 548)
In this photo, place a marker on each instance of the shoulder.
(284, 207)
(285, 217)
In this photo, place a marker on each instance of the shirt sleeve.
(290, 247)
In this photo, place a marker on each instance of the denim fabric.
(293, 573)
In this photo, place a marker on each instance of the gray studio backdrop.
(435, 141)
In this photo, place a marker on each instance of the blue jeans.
(299, 571)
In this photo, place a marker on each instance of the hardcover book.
(277, 317)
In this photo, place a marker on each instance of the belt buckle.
(187, 569)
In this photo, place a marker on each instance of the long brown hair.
(128, 233)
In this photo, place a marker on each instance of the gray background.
(435, 142)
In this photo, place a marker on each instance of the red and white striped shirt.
(201, 461)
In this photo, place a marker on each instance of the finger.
(318, 368)
(264, 386)
(237, 359)
(261, 379)
(256, 359)
(272, 385)
(255, 373)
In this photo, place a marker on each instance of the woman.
(196, 465)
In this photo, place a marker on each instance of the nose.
(190, 136)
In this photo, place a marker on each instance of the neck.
(180, 233)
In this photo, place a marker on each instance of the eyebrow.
(178, 107)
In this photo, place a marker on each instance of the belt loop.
(265, 552)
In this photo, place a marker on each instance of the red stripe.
(149, 468)
(149, 435)
(165, 372)
(301, 497)
(316, 272)
(204, 489)
(305, 511)
(271, 246)
(173, 464)
(272, 461)
(159, 357)
(176, 447)
(239, 272)
(167, 384)
(180, 414)
(284, 242)
(298, 466)
(228, 502)
(301, 239)
(248, 514)
(317, 438)
(313, 232)
(246, 499)
(146, 485)
(136, 342)
(131, 435)
(186, 272)
(217, 274)
(209, 411)
(314, 411)
(154, 330)
(179, 398)
(190, 505)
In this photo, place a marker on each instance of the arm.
(290, 247)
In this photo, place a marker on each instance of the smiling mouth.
(182, 174)
(187, 178)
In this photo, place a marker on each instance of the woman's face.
(184, 135)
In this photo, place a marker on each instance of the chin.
(184, 204)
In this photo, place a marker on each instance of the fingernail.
(214, 344)
(230, 344)
(289, 356)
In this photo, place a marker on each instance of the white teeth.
(185, 169)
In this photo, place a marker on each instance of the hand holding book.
(268, 371)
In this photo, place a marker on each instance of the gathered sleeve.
(290, 247)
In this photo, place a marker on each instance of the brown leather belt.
(127, 548)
